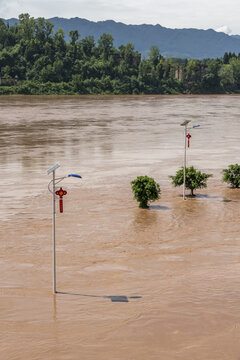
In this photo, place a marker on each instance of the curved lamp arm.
(58, 180)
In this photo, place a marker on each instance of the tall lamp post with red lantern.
(187, 136)
(60, 193)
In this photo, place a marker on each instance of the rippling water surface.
(161, 283)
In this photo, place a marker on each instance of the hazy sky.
(201, 14)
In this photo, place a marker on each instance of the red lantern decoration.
(188, 137)
(61, 193)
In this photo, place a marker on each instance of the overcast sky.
(201, 14)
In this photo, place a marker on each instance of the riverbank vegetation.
(34, 60)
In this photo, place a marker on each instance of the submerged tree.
(231, 175)
(145, 189)
(194, 179)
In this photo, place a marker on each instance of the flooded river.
(162, 283)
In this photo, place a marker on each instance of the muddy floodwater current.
(162, 283)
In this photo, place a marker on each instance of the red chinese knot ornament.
(188, 136)
(61, 193)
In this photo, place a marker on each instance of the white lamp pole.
(52, 170)
(54, 235)
(53, 191)
(185, 123)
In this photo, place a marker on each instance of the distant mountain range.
(182, 43)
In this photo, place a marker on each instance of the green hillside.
(36, 60)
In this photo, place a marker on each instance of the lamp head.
(185, 122)
(75, 175)
(53, 168)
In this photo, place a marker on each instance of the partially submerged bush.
(231, 175)
(145, 189)
(193, 179)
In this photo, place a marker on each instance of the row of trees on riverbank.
(33, 60)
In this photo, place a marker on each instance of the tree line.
(34, 60)
(146, 189)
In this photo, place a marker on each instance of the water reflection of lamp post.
(55, 181)
(186, 136)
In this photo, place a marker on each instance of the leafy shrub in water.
(194, 179)
(145, 189)
(231, 175)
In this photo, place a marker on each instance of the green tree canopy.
(195, 179)
(231, 175)
(145, 189)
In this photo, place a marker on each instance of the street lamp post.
(53, 191)
(185, 124)
(52, 170)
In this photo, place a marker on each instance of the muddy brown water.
(132, 284)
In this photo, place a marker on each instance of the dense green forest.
(34, 60)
